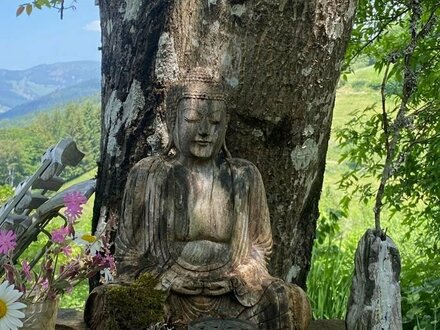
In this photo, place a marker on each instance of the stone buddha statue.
(197, 219)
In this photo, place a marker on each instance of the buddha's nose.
(204, 127)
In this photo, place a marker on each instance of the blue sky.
(42, 38)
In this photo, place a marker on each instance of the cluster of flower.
(69, 258)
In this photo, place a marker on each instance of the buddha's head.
(197, 116)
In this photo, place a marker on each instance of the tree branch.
(400, 122)
(377, 35)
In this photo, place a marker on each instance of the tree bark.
(282, 60)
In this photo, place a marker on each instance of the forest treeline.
(23, 142)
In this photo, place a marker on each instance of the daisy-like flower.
(74, 202)
(9, 307)
(90, 242)
(7, 241)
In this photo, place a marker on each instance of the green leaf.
(28, 9)
(43, 3)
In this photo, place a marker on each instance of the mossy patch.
(135, 306)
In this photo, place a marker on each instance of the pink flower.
(73, 202)
(67, 250)
(59, 235)
(69, 290)
(71, 270)
(45, 283)
(26, 270)
(7, 241)
(109, 262)
(10, 272)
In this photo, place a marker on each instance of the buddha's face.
(200, 127)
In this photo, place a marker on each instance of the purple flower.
(59, 235)
(7, 241)
(73, 202)
(109, 262)
(26, 270)
(67, 250)
(44, 284)
(10, 273)
(71, 270)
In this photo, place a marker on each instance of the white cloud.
(93, 26)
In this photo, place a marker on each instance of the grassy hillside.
(360, 91)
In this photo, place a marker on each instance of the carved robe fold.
(154, 232)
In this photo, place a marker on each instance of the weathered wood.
(374, 302)
(198, 220)
(282, 61)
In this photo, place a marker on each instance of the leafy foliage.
(23, 146)
(421, 294)
(412, 55)
(393, 147)
(39, 4)
(77, 297)
(5, 193)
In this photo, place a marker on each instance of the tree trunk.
(282, 60)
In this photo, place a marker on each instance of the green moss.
(135, 306)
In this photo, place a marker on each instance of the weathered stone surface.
(374, 302)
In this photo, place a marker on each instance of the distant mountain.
(59, 97)
(18, 87)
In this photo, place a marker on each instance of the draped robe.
(154, 226)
